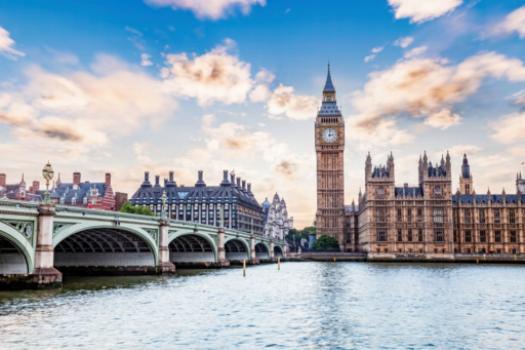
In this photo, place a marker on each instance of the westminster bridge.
(40, 241)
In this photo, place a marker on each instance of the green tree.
(136, 209)
(326, 244)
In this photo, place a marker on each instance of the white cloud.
(284, 101)
(420, 11)
(509, 129)
(458, 151)
(513, 22)
(443, 119)
(215, 76)
(519, 98)
(213, 9)
(425, 88)
(145, 60)
(7, 45)
(373, 54)
(85, 107)
(404, 42)
(415, 52)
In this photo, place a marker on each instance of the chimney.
(200, 175)
(200, 179)
(171, 176)
(146, 176)
(232, 179)
(157, 180)
(249, 187)
(108, 179)
(244, 185)
(2, 180)
(76, 178)
(35, 187)
(239, 182)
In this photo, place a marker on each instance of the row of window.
(498, 216)
(482, 237)
(439, 236)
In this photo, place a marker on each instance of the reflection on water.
(303, 306)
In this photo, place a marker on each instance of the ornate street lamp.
(163, 210)
(47, 173)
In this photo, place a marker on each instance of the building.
(95, 195)
(231, 204)
(426, 220)
(277, 223)
(120, 199)
(19, 191)
(329, 147)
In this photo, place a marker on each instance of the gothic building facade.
(427, 220)
(231, 204)
(277, 223)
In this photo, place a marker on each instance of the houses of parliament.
(425, 221)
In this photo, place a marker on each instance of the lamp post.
(47, 173)
(163, 210)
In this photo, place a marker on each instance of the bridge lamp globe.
(47, 173)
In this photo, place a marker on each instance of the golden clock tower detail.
(330, 146)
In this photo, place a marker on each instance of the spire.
(328, 86)
(465, 168)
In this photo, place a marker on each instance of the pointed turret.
(465, 179)
(328, 86)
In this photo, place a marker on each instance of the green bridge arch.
(20, 242)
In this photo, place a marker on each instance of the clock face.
(329, 135)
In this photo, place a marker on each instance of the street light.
(47, 173)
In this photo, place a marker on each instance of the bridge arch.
(16, 254)
(192, 247)
(278, 251)
(237, 250)
(262, 251)
(105, 246)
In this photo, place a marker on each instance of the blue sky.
(158, 85)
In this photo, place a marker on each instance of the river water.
(303, 306)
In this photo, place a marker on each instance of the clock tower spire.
(329, 146)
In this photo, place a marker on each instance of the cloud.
(404, 42)
(145, 60)
(87, 107)
(443, 119)
(7, 45)
(284, 101)
(427, 89)
(509, 129)
(519, 98)
(458, 151)
(212, 9)
(513, 22)
(373, 54)
(215, 76)
(419, 11)
(415, 52)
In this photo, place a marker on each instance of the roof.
(329, 86)
(148, 194)
(485, 198)
(407, 191)
(68, 191)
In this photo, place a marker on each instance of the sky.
(187, 85)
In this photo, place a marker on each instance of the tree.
(326, 244)
(136, 209)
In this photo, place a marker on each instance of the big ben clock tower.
(329, 147)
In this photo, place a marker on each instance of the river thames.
(303, 306)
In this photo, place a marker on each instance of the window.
(467, 216)
(512, 216)
(438, 216)
(455, 235)
(420, 235)
(482, 219)
(399, 215)
(381, 236)
(439, 236)
(497, 236)
(483, 236)
(409, 235)
(380, 214)
(468, 236)
(497, 216)
(513, 237)
(399, 236)
(409, 215)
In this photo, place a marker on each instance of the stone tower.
(465, 179)
(329, 146)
